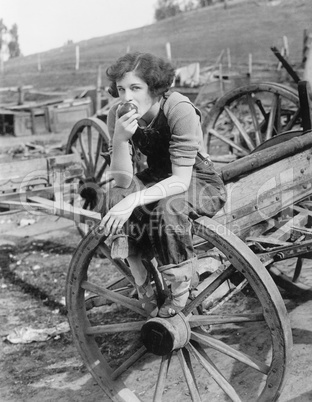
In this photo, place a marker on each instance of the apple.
(126, 107)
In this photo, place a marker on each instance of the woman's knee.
(171, 206)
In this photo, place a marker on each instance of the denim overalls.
(164, 229)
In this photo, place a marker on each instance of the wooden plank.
(33, 172)
(268, 240)
(66, 210)
(44, 192)
(266, 157)
(66, 115)
(283, 233)
(263, 193)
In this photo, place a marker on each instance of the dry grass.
(245, 27)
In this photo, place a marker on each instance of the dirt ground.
(35, 251)
(34, 261)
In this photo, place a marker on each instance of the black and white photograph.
(156, 201)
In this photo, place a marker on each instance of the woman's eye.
(120, 89)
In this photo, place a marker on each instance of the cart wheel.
(231, 342)
(89, 138)
(291, 275)
(290, 272)
(244, 118)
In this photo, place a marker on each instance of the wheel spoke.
(261, 108)
(269, 131)
(185, 363)
(98, 151)
(101, 170)
(161, 379)
(208, 340)
(119, 264)
(105, 181)
(75, 151)
(228, 141)
(213, 319)
(86, 204)
(293, 120)
(127, 302)
(89, 133)
(112, 328)
(298, 269)
(240, 128)
(238, 288)
(251, 103)
(211, 283)
(129, 362)
(84, 154)
(278, 117)
(208, 365)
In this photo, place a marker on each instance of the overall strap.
(170, 99)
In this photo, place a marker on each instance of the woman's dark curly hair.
(156, 72)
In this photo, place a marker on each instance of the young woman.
(156, 206)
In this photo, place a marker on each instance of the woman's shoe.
(174, 304)
(149, 304)
(147, 297)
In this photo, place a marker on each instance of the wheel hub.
(161, 336)
(88, 190)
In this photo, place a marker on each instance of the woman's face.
(133, 89)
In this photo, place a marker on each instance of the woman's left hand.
(117, 216)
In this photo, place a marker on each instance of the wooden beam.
(265, 157)
(66, 210)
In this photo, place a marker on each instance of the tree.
(13, 45)
(166, 8)
(3, 29)
(205, 3)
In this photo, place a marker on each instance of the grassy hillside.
(245, 27)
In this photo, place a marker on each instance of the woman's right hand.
(126, 125)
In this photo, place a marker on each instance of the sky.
(47, 24)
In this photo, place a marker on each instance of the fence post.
(20, 91)
(168, 50)
(286, 46)
(39, 63)
(250, 64)
(77, 57)
(98, 89)
(229, 58)
(221, 79)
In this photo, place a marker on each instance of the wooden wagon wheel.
(232, 341)
(244, 118)
(286, 249)
(286, 246)
(291, 275)
(89, 138)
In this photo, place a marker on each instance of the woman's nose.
(128, 96)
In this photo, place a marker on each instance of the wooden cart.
(233, 339)
(248, 116)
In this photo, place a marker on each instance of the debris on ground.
(28, 334)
